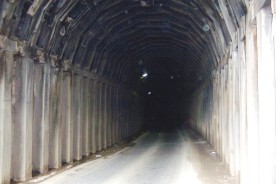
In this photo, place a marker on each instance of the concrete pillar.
(266, 88)
(99, 115)
(226, 114)
(6, 133)
(273, 5)
(113, 115)
(223, 117)
(104, 115)
(55, 128)
(118, 107)
(96, 113)
(120, 119)
(119, 110)
(125, 114)
(123, 117)
(93, 119)
(41, 118)
(23, 115)
(237, 114)
(66, 119)
(109, 117)
(243, 113)
(231, 113)
(76, 110)
(252, 175)
(86, 117)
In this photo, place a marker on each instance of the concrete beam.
(254, 9)
(228, 19)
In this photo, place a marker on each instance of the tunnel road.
(156, 158)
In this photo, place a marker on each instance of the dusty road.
(157, 158)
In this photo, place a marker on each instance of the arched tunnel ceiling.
(108, 38)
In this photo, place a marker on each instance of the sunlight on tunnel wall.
(235, 111)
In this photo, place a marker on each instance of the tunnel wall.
(50, 116)
(235, 111)
(53, 52)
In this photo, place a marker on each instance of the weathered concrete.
(41, 118)
(243, 102)
(113, 115)
(55, 127)
(6, 128)
(76, 117)
(23, 114)
(120, 121)
(100, 115)
(93, 120)
(109, 117)
(83, 94)
(66, 119)
(266, 89)
(252, 109)
(86, 117)
(58, 116)
(104, 115)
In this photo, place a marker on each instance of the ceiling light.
(144, 75)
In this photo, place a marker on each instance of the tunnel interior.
(78, 76)
(164, 90)
(176, 43)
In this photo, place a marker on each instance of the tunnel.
(79, 76)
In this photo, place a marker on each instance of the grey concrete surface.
(156, 158)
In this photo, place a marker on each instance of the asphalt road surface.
(156, 158)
